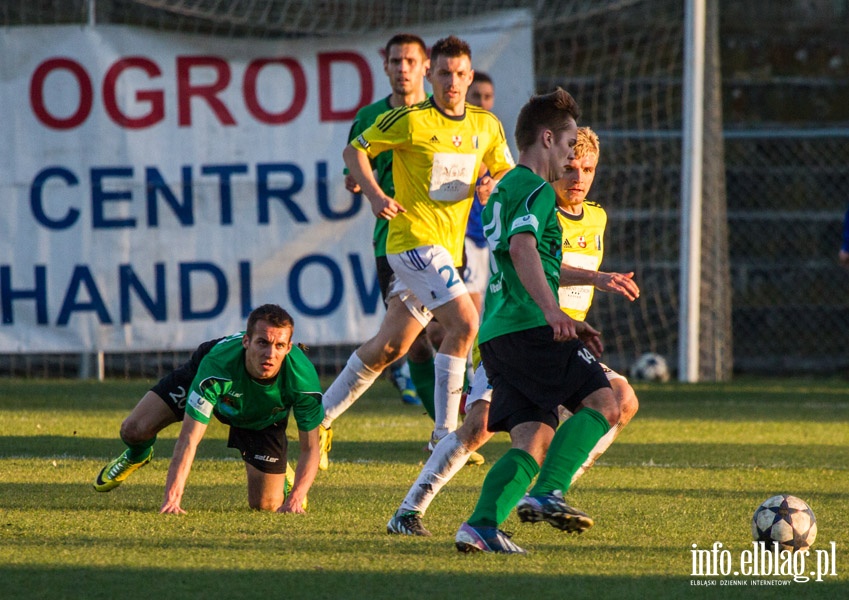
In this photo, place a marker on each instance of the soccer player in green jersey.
(537, 358)
(250, 381)
(438, 146)
(583, 223)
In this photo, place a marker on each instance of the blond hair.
(587, 142)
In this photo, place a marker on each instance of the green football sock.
(503, 487)
(139, 452)
(569, 449)
(424, 378)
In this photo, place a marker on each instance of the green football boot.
(113, 474)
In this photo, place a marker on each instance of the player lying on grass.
(583, 226)
(250, 381)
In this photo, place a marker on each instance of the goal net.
(623, 62)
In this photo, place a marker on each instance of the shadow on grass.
(622, 453)
(72, 446)
(269, 581)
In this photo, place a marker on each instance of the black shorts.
(265, 449)
(174, 387)
(531, 375)
(384, 275)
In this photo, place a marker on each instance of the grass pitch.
(690, 469)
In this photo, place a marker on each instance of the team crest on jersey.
(457, 140)
(598, 242)
(582, 241)
(475, 141)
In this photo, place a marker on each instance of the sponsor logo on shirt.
(525, 221)
(200, 404)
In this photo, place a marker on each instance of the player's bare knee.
(391, 353)
(605, 402)
(626, 398)
(377, 354)
(479, 437)
(473, 432)
(469, 328)
(628, 405)
(264, 505)
(132, 432)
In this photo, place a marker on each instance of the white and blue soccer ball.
(787, 520)
(650, 367)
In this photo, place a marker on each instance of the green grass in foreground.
(690, 469)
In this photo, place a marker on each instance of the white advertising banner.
(156, 187)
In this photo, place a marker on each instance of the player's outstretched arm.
(304, 473)
(526, 260)
(617, 283)
(382, 206)
(181, 464)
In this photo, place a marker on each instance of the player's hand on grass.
(618, 283)
(293, 504)
(171, 507)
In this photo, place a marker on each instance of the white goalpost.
(692, 152)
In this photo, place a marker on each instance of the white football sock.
(449, 456)
(448, 388)
(600, 447)
(351, 383)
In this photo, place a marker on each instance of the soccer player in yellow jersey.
(583, 223)
(438, 146)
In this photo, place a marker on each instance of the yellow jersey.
(583, 247)
(436, 158)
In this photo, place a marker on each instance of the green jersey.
(522, 202)
(222, 386)
(382, 164)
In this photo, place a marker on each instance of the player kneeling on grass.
(583, 225)
(250, 381)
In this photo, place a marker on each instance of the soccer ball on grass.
(787, 520)
(650, 367)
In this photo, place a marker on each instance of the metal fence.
(784, 84)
